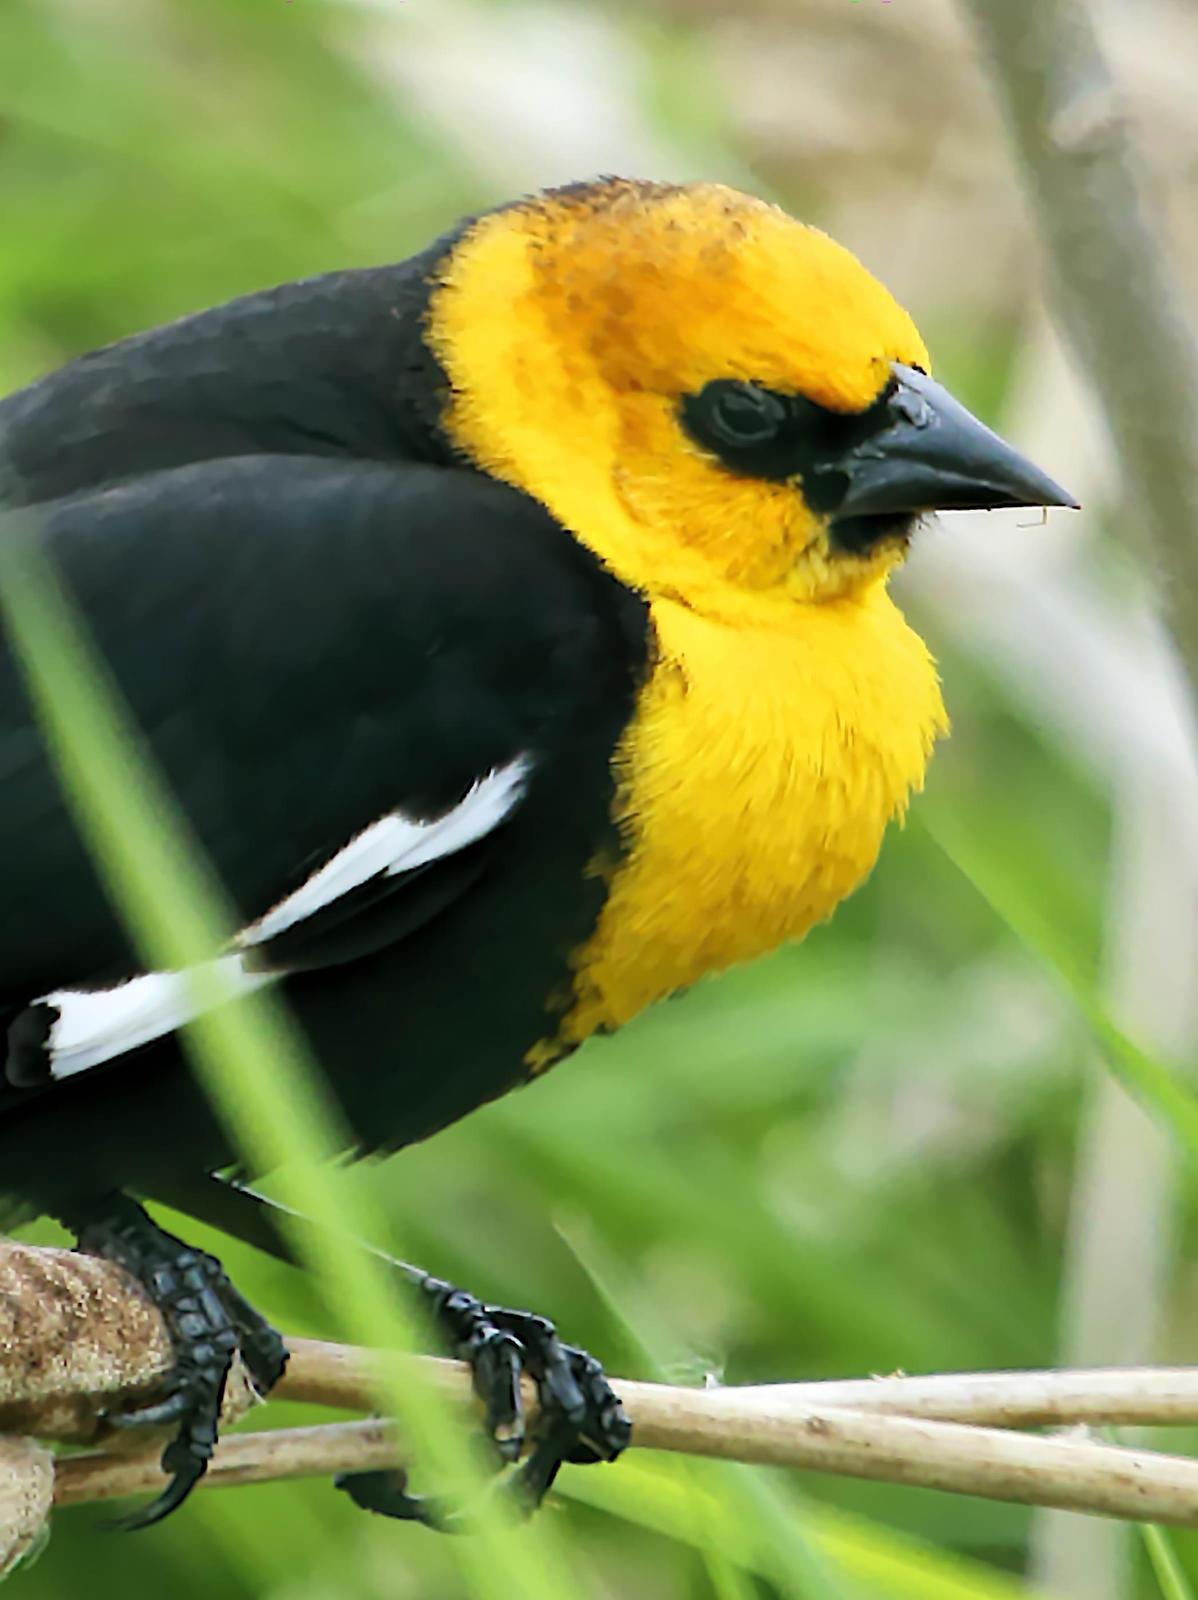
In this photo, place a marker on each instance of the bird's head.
(717, 399)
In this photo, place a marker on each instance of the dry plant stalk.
(1115, 286)
(1070, 1473)
(896, 1429)
(339, 1375)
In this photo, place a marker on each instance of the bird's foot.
(208, 1322)
(579, 1416)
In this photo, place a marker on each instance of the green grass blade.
(1165, 1565)
(747, 1518)
(1162, 1090)
(780, 1521)
(878, 1563)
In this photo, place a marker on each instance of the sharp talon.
(535, 1478)
(263, 1376)
(608, 1431)
(208, 1323)
(580, 1418)
(171, 1498)
(261, 1345)
(562, 1385)
(385, 1494)
(265, 1361)
(155, 1416)
(497, 1363)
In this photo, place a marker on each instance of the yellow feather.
(755, 781)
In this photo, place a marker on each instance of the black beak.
(926, 452)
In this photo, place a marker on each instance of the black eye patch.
(759, 433)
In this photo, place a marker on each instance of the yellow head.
(680, 374)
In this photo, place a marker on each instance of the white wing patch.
(396, 844)
(95, 1026)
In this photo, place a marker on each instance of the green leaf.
(1168, 1569)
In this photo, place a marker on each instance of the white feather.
(396, 844)
(96, 1026)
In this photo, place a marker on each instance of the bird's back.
(328, 366)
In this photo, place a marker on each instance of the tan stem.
(1116, 288)
(1072, 1473)
(338, 1375)
(78, 1337)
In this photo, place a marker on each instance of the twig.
(856, 1428)
(1117, 292)
(1073, 1473)
(338, 1375)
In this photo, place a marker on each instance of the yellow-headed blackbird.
(512, 627)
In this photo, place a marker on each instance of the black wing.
(307, 646)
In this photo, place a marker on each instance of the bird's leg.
(208, 1322)
(579, 1419)
(579, 1416)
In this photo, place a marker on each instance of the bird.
(511, 625)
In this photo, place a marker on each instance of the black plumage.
(308, 642)
(318, 615)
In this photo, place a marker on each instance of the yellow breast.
(755, 783)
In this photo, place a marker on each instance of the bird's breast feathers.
(754, 784)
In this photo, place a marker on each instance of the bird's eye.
(736, 415)
(757, 432)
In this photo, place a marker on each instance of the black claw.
(265, 1361)
(171, 1498)
(560, 1386)
(580, 1417)
(386, 1494)
(261, 1345)
(171, 1409)
(607, 1431)
(535, 1478)
(208, 1322)
(185, 1460)
(496, 1361)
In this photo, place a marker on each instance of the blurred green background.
(895, 1147)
